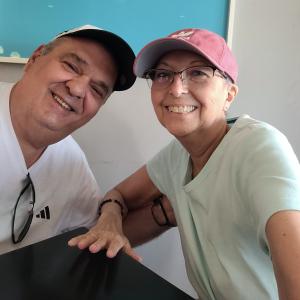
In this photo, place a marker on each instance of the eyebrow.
(74, 56)
(82, 62)
(202, 61)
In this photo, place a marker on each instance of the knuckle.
(119, 239)
(92, 235)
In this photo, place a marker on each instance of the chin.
(178, 132)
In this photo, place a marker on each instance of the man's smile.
(62, 103)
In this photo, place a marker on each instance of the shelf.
(13, 60)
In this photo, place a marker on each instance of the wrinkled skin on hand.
(106, 234)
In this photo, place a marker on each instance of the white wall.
(125, 133)
(266, 41)
(10, 72)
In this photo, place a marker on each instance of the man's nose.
(78, 86)
(178, 86)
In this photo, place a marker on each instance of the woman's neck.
(202, 147)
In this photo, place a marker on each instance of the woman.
(234, 187)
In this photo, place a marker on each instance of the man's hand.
(106, 234)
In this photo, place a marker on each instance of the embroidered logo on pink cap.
(182, 35)
(203, 42)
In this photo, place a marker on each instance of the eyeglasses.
(23, 212)
(162, 78)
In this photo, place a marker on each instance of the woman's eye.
(161, 75)
(197, 72)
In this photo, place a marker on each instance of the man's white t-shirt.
(67, 194)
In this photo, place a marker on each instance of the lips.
(62, 103)
(181, 109)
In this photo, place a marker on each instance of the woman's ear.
(231, 93)
(37, 52)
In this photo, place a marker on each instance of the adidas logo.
(44, 213)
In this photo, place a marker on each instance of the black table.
(52, 270)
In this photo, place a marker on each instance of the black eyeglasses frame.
(149, 77)
(28, 222)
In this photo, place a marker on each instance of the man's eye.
(100, 93)
(70, 66)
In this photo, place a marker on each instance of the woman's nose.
(178, 86)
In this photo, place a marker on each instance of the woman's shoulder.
(249, 129)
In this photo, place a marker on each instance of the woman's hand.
(106, 234)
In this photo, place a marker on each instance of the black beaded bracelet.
(114, 201)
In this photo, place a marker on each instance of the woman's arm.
(283, 234)
(136, 193)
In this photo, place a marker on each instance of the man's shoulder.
(69, 148)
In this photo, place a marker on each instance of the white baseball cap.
(116, 46)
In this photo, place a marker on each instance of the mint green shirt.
(222, 213)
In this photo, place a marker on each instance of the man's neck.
(30, 154)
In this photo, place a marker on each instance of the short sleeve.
(164, 169)
(270, 176)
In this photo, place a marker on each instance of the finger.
(115, 246)
(87, 240)
(129, 251)
(74, 241)
(97, 246)
(83, 241)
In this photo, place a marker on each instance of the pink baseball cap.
(203, 42)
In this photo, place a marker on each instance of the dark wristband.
(157, 202)
(108, 201)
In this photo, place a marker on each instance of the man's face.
(65, 88)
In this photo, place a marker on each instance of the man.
(46, 184)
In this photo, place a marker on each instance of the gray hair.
(50, 46)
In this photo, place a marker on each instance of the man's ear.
(231, 93)
(37, 52)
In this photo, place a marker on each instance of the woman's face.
(188, 106)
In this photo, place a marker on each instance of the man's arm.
(137, 193)
(283, 234)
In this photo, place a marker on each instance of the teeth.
(181, 109)
(62, 103)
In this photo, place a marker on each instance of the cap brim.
(151, 53)
(119, 49)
